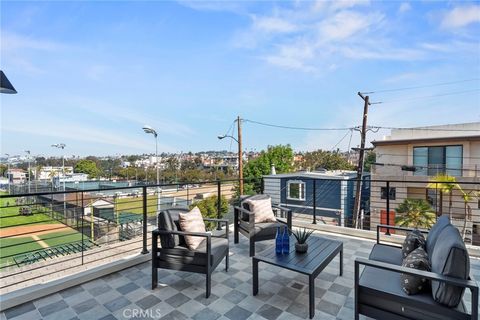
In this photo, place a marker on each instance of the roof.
(334, 174)
(426, 140)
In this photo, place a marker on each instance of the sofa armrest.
(251, 217)
(469, 284)
(388, 227)
(285, 210)
(219, 222)
(207, 235)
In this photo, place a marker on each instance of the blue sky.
(90, 74)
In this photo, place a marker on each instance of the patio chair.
(175, 255)
(244, 223)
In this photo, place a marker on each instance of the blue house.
(331, 192)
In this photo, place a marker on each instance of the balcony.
(107, 273)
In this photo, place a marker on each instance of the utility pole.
(363, 133)
(240, 155)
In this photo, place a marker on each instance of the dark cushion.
(434, 232)
(381, 289)
(449, 258)
(182, 255)
(417, 259)
(173, 212)
(413, 240)
(388, 254)
(165, 223)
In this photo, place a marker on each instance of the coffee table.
(320, 252)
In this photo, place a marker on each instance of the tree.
(3, 169)
(415, 213)
(446, 184)
(208, 208)
(281, 156)
(324, 159)
(87, 166)
(370, 159)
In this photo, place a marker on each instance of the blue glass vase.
(286, 241)
(278, 242)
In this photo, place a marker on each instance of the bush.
(208, 208)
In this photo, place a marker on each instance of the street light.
(149, 130)
(240, 152)
(8, 171)
(62, 146)
(5, 85)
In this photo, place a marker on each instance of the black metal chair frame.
(250, 231)
(206, 269)
(376, 313)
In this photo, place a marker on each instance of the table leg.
(311, 295)
(255, 276)
(341, 262)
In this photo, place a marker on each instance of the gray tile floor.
(283, 294)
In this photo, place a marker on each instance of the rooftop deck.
(181, 295)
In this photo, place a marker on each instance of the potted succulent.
(302, 235)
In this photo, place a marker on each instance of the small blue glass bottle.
(278, 242)
(286, 241)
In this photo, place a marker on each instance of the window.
(430, 161)
(393, 193)
(296, 190)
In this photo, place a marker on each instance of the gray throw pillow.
(434, 232)
(449, 258)
(413, 240)
(417, 259)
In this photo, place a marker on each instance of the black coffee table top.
(320, 252)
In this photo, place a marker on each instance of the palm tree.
(446, 184)
(415, 213)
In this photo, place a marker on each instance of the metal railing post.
(388, 208)
(262, 186)
(314, 201)
(144, 250)
(83, 234)
(219, 203)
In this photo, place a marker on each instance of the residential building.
(416, 156)
(48, 172)
(332, 197)
(16, 176)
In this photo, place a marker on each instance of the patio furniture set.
(379, 290)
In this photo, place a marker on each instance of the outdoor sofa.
(378, 289)
(244, 222)
(174, 254)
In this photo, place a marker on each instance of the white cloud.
(13, 42)
(404, 7)
(273, 24)
(345, 24)
(461, 16)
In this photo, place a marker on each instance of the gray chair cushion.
(413, 240)
(388, 254)
(449, 258)
(182, 255)
(165, 223)
(381, 289)
(417, 259)
(434, 232)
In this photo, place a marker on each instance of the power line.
(428, 97)
(423, 86)
(296, 128)
(346, 134)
